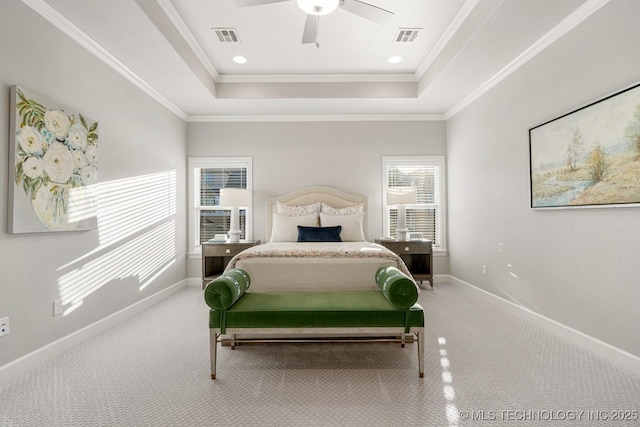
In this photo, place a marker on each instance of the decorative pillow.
(349, 210)
(319, 234)
(351, 225)
(292, 210)
(284, 228)
(399, 289)
(224, 291)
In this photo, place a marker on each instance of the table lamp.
(235, 198)
(401, 196)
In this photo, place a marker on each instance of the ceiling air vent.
(407, 35)
(227, 35)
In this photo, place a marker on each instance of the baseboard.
(611, 353)
(22, 365)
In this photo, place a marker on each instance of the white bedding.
(321, 266)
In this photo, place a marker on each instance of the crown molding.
(562, 28)
(316, 118)
(449, 33)
(64, 25)
(316, 78)
(188, 36)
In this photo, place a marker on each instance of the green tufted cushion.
(400, 290)
(315, 310)
(223, 292)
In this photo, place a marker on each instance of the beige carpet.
(483, 367)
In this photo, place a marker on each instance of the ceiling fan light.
(318, 7)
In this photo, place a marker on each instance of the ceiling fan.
(317, 8)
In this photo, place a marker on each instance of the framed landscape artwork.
(589, 157)
(53, 165)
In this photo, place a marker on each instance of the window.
(426, 174)
(207, 176)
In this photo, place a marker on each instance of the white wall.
(576, 266)
(141, 145)
(291, 155)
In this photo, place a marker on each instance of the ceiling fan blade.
(247, 3)
(310, 33)
(368, 11)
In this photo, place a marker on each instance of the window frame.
(197, 163)
(439, 205)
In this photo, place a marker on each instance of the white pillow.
(285, 228)
(352, 229)
(293, 210)
(349, 210)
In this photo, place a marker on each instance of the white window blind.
(210, 175)
(426, 174)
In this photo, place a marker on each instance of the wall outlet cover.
(4, 326)
(57, 307)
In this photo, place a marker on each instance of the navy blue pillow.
(319, 234)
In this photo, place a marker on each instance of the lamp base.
(234, 236)
(401, 234)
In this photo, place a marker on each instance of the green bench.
(391, 311)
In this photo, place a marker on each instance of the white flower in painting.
(58, 163)
(77, 136)
(89, 175)
(79, 159)
(92, 155)
(30, 140)
(57, 122)
(32, 167)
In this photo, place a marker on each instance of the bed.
(286, 265)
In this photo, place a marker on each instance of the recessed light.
(239, 59)
(394, 59)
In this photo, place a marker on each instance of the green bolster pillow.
(224, 291)
(400, 290)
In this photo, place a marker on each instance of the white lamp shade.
(235, 197)
(401, 196)
(318, 7)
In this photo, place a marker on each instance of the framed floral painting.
(54, 162)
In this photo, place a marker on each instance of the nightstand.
(216, 256)
(416, 254)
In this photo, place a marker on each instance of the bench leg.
(420, 338)
(213, 346)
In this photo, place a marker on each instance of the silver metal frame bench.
(392, 311)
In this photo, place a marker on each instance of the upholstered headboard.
(329, 195)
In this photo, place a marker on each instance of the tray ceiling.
(173, 50)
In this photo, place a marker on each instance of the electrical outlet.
(4, 326)
(484, 270)
(57, 307)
